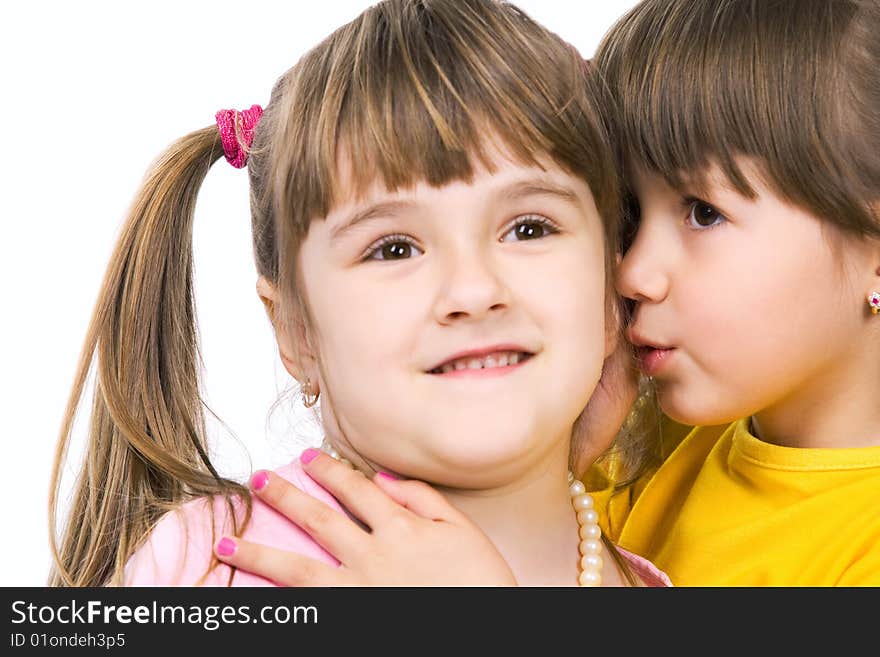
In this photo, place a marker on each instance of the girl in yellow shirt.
(750, 135)
(753, 269)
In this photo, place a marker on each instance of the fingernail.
(386, 475)
(259, 480)
(309, 455)
(226, 547)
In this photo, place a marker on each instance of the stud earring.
(874, 302)
(309, 398)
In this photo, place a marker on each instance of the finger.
(280, 566)
(418, 497)
(356, 493)
(331, 529)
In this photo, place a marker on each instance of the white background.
(91, 93)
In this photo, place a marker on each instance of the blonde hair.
(413, 87)
(792, 84)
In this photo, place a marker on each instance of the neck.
(835, 409)
(531, 519)
(531, 522)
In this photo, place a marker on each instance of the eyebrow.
(528, 188)
(515, 191)
(374, 211)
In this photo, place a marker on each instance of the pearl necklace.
(590, 533)
(590, 547)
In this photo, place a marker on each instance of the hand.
(598, 425)
(417, 538)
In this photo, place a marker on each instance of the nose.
(642, 275)
(472, 287)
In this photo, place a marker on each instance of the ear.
(874, 285)
(864, 254)
(875, 242)
(292, 337)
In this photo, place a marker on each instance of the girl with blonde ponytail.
(435, 212)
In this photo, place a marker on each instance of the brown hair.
(414, 87)
(791, 84)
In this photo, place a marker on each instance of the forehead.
(501, 175)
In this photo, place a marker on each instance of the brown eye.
(530, 227)
(529, 231)
(396, 250)
(393, 247)
(703, 215)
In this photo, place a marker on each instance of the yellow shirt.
(727, 509)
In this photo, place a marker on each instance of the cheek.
(732, 333)
(762, 328)
(362, 327)
(575, 310)
(816, 310)
(364, 340)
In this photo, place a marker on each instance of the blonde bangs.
(418, 94)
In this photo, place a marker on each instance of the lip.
(653, 355)
(654, 360)
(482, 352)
(638, 340)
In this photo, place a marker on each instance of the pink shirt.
(178, 551)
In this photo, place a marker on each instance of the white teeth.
(500, 359)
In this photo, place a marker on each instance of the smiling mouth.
(496, 360)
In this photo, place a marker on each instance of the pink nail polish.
(226, 547)
(387, 475)
(308, 455)
(259, 480)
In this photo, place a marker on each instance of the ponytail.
(147, 449)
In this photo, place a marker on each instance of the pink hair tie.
(237, 133)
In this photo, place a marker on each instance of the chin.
(481, 454)
(479, 451)
(696, 408)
